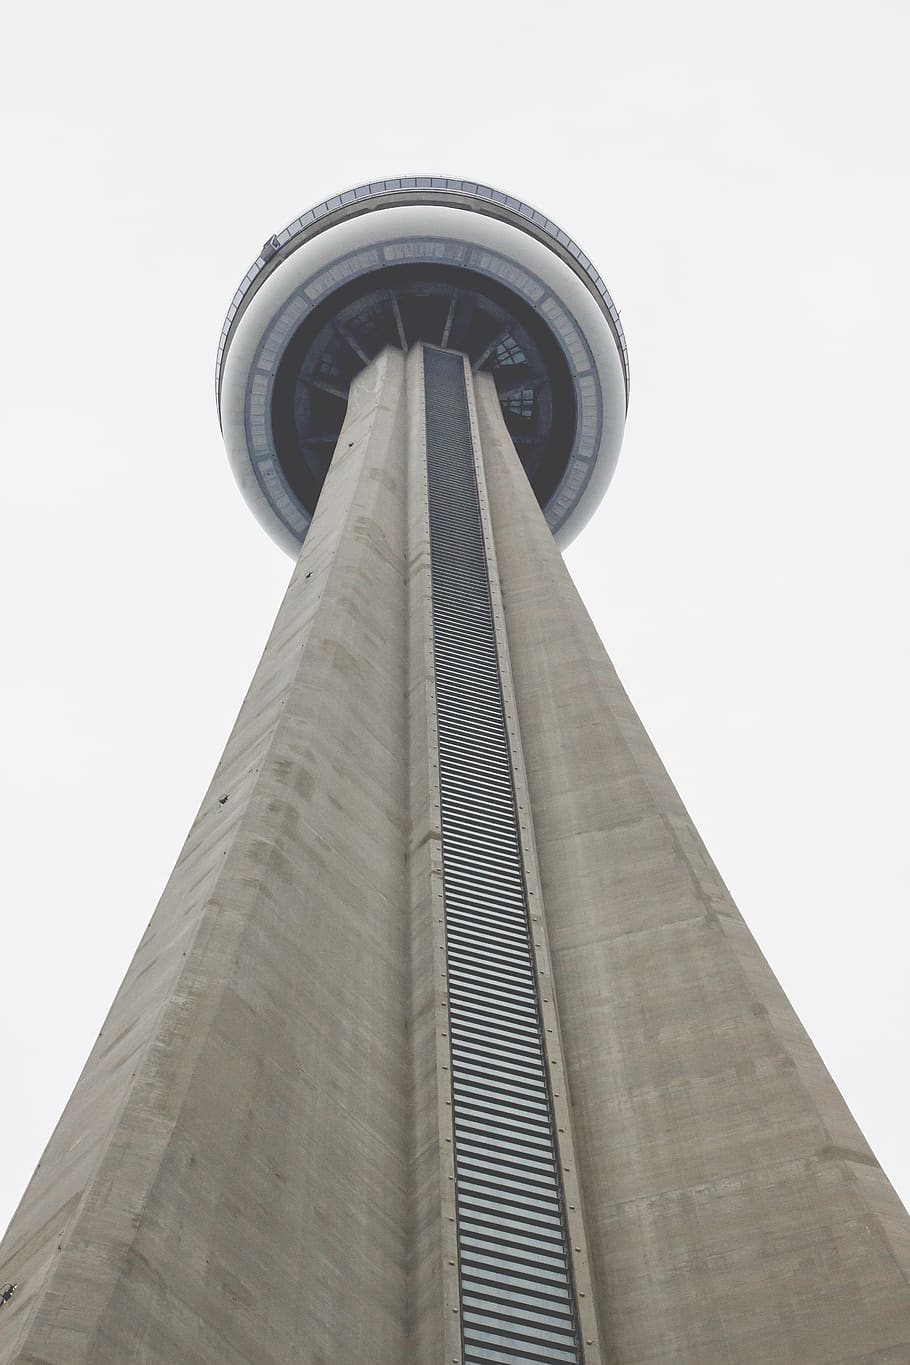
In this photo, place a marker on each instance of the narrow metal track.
(517, 1297)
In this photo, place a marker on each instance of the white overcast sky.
(738, 172)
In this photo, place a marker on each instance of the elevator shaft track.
(515, 1276)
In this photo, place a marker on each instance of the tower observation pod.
(445, 1044)
(450, 263)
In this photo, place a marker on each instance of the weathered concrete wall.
(734, 1211)
(254, 1166)
(228, 1183)
(434, 1329)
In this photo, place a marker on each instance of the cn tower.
(446, 1044)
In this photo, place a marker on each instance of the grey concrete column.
(255, 1165)
(590, 1341)
(734, 1211)
(434, 1327)
(228, 1183)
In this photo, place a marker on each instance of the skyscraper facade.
(446, 1042)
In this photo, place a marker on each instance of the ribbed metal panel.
(517, 1298)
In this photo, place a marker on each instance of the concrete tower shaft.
(446, 1042)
